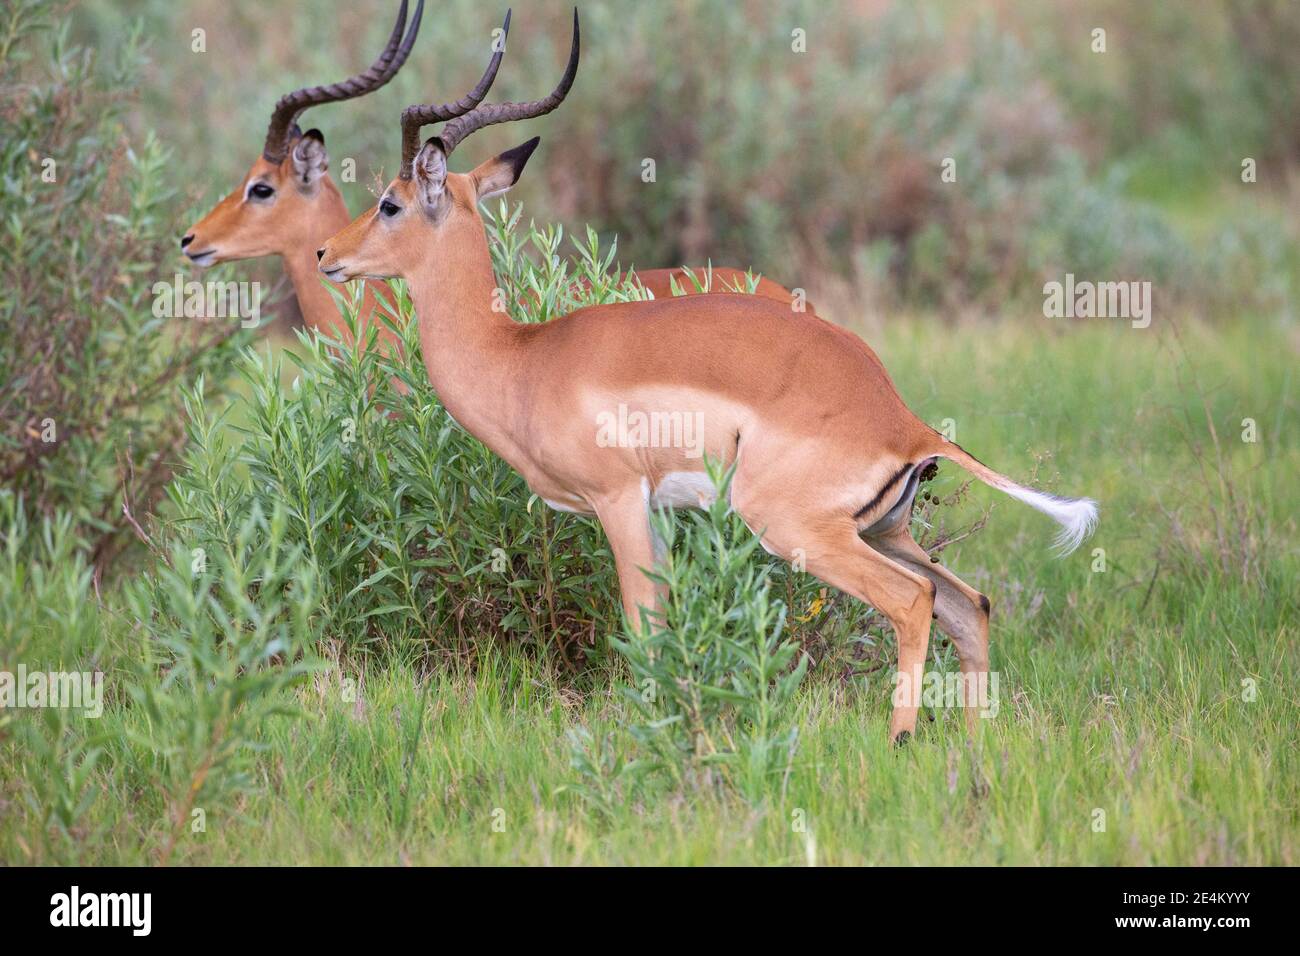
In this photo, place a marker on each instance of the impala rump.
(908, 479)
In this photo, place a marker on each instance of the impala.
(826, 455)
(287, 204)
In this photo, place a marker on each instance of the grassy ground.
(1128, 733)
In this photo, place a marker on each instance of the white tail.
(1076, 516)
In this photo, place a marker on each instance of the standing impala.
(827, 457)
(288, 204)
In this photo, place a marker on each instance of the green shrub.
(226, 636)
(714, 678)
(88, 375)
(44, 577)
(422, 540)
(48, 622)
(194, 657)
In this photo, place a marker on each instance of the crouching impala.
(827, 457)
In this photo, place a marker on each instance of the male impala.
(288, 204)
(827, 457)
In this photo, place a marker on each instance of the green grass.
(1121, 691)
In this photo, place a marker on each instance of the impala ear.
(430, 171)
(499, 173)
(309, 160)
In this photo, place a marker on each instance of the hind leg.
(903, 596)
(962, 612)
(834, 553)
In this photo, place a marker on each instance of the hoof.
(902, 738)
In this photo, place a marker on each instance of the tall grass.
(1155, 691)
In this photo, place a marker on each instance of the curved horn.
(414, 117)
(456, 131)
(290, 106)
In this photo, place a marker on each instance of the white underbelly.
(682, 489)
(576, 509)
(676, 489)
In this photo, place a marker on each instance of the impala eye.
(260, 191)
(389, 209)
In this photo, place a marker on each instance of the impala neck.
(471, 353)
(314, 299)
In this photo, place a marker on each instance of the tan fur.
(293, 227)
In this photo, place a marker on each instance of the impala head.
(279, 204)
(427, 208)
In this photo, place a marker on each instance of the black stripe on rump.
(898, 476)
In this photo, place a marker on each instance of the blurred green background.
(819, 168)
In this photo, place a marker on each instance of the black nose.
(187, 240)
(320, 254)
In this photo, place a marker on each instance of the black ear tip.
(315, 134)
(519, 155)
